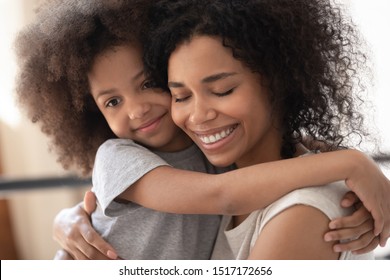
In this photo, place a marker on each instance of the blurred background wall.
(26, 215)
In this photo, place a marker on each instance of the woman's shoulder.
(325, 198)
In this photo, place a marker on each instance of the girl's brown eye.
(113, 102)
(149, 84)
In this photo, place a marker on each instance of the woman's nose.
(201, 112)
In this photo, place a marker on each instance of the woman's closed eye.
(178, 99)
(222, 94)
(183, 98)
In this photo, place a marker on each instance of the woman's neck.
(267, 149)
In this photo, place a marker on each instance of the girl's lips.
(150, 125)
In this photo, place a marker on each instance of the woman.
(248, 79)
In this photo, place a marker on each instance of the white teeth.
(216, 137)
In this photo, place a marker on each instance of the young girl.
(248, 79)
(82, 79)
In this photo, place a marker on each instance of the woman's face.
(221, 104)
(132, 107)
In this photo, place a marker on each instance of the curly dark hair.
(55, 53)
(309, 51)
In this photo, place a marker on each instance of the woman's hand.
(358, 228)
(62, 255)
(72, 229)
(375, 197)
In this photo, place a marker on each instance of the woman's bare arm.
(305, 226)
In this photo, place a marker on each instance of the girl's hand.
(72, 229)
(359, 228)
(373, 189)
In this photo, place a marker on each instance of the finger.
(379, 220)
(359, 217)
(349, 199)
(374, 243)
(75, 241)
(96, 247)
(383, 241)
(89, 202)
(349, 233)
(76, 254)
(385, 234)
(79, 255)
(94, 254)
(383, 238)
(357, 244)
(62, 255)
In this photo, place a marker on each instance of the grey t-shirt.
(135, 231)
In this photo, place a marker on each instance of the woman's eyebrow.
(217, 77)
(175, 84)
(205, 80)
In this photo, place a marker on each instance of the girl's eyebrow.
(104, 92)
(138, 75)
(113, 90)
(209, 79)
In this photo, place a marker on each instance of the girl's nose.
(137, 110)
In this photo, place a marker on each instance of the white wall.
(374, 22)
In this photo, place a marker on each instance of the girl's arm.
(244, 190)
(354, 167)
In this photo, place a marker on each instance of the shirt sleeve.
(325, 198)
(119, 163)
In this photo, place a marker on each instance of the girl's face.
(133, 108)
(221, 104)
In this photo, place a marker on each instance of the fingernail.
(332, 226)
(328, 238)
(112, 255)
(337, 249)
